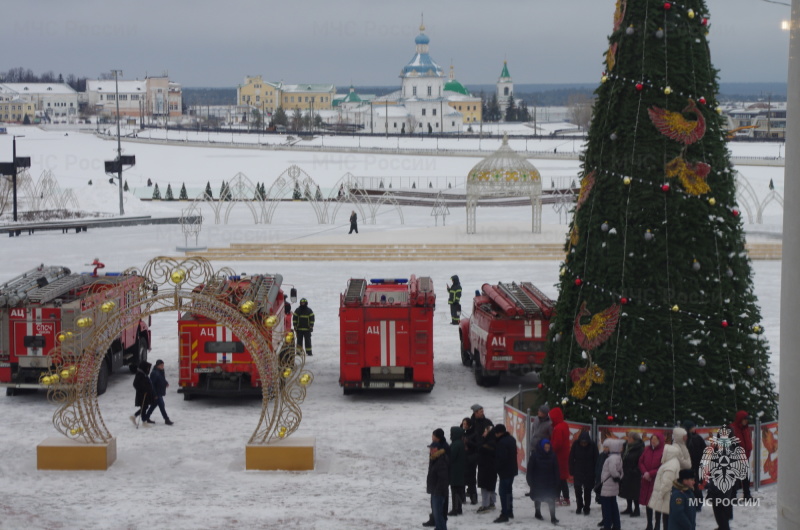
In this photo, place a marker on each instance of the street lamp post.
(117, 73)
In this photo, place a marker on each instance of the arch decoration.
(170, 284)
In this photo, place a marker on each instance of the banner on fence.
(768, 459)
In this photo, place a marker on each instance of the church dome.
(455, 86)
(504, 167)
(422, 39)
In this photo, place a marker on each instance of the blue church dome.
(422, 39)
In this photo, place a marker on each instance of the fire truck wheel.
(482, 379)
(102, 379)
(466, 357)
(188, 397)
(11, 392)
(141, 355)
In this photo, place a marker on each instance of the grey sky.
(366, 42)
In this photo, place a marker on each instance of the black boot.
(430, 523)
(538, 515)
(473, 498)
(636, 512)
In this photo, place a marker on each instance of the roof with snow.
(96, 85)
(422, 64)
(38, 88)
(308, 87)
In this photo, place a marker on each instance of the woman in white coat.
(610, 479)
(670, 467)
(679, 436)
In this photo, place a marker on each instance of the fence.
(518, 421)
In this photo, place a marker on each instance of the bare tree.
(580, 109)
(412, 123)
(297, 120)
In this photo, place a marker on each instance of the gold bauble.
(61, 337)
(626, 181)
(248, 307)
(270, 322)
(107, 307)
(287, 372)
(65, 374)
(69, 334)
(54, 378)
(712, 201)
(668, 91)
(82, 323)
(690, 13)
(604, 79)
(564, 401)
(178, 276)
(46, 380)
(675, 308)
(305, 379)
(289, 337)
(73, 432)
(282, 432)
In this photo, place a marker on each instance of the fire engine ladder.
(543, 298)
(58, 288)
(185, 349)
(263, 288)
(520, 297)
(355, 291)
(16, 290)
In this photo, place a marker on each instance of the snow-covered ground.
(371, 454)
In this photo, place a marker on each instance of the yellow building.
(471, 107)
(267, 96)
(15, 110)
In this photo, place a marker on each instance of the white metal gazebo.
(504, 173)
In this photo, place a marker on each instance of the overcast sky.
(366, 42)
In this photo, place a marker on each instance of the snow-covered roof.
(39, 88)
(308, 88)
(109, 86)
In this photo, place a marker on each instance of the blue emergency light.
(387, 281)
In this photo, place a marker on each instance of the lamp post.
(17, 163)
(117, 73)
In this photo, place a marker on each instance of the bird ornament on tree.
(692, 176)
(675, 126)
(590, 336)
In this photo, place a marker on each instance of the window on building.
(423, 112)
(430, 90)
(258, 98)
(123, 97)
(111, 97)
(434, 112)
(292, 99)
(395, 125)
(453, 124)
(505, 91)
(413, 91)
(437, 125)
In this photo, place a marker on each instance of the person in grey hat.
(473, 440)
(541, 429)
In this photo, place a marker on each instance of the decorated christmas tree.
(656, 320)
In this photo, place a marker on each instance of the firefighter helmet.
(303, 301)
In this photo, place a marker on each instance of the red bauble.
(702, 101)
(704, 22)
(578, 282)
(639, 87)
(540, 386)
(623, 300)
(665, 187)
(735, 212)
(610, 417)
(667, 6)
(724, 323)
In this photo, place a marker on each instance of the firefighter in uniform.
(454, 299)
(303, 323)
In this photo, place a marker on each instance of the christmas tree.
(656, 321)
(184, 196)
(208, 193)
(156, 194)
(168, 196)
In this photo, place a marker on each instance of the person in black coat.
(582, 462)
(473, 440)
(696, 446)
(145, 398)
(303, 324)
(543, 477)
(632, 476)
(159, 381)
(353, 222)
(458, 461)
(487, 470)
(438, 483)
(506, 465)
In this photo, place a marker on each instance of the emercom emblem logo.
(724, 461)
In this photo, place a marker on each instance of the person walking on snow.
(454, 299)
(561, 447)
(303, 323)
(353, 222)
(506, 464)
(145, 397)
(437, 483)
(159, 381)
(582, 462)
(543, 478)
(610, 478)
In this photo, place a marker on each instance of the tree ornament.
(639, 87)
(675, 127)
(659, 33)
(704, 22)
(578, 282)
(598, 330)
(613, 136)
(665, 187)
(690, 13)
(623, 301)
(729, 273)
(702, 101)
(564, 401)
(557, 337)
(735, 212)
(695, 266)
(692, 175)
(712, 201)
(629, 30)
(563, 271)
(643, 367)
(667, 90)
(649, 236)
(610, 417)
(675, 308)
(751, 371)
(757, 329)
(604, 79)
(540, 386)
(701, 361)
(604, 227)
(719, 110)
(724, 323)
(667, 6)
(626, 181)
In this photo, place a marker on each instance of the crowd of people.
(662, 478)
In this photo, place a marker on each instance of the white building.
(54, 102)
(505, 88)
(151, 98)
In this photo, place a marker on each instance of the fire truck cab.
(506, 332)
(213, 360)
(36, 307)
(386, 334)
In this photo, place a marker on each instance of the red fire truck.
(506, 332)
(386, 334)
(44, 302)
(213, 361)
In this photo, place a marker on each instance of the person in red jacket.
(743, 431)
(561, 447)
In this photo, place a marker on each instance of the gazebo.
(504, 173)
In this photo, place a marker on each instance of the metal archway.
(168, 284)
